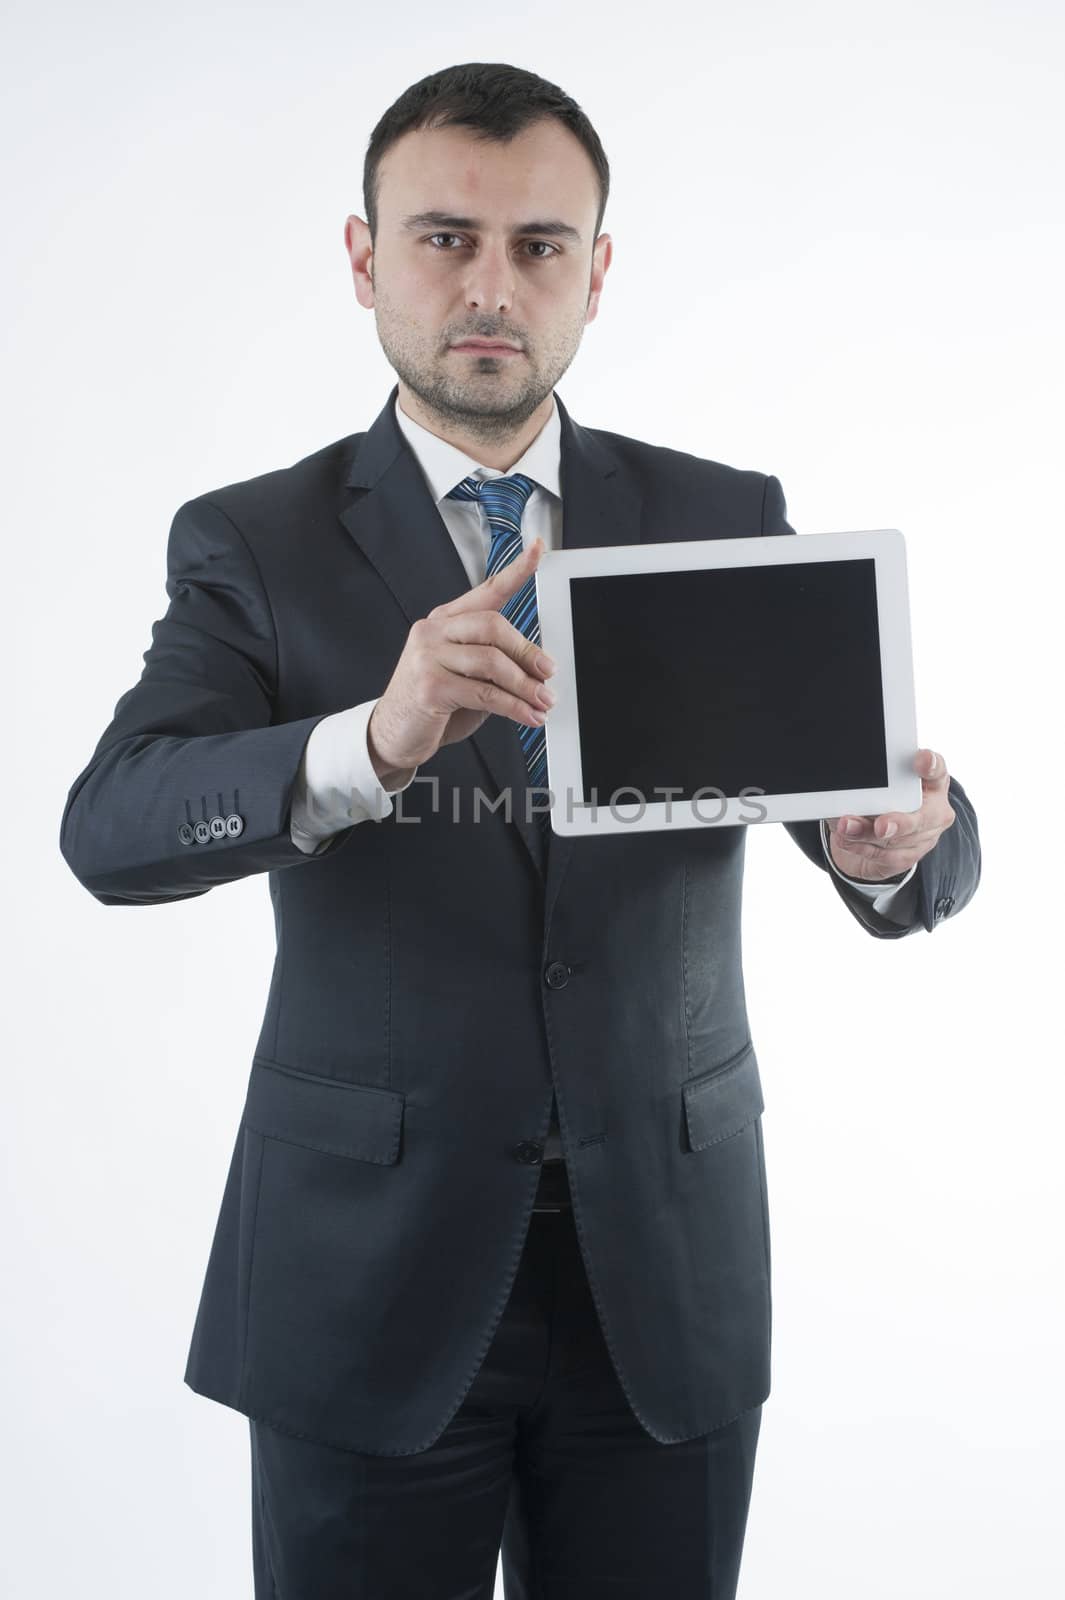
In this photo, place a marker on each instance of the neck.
(499, 447)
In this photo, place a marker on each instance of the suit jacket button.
(529, 1151)
(556, 975)
(217, 826)
(185, 833)
(943, 905)
(201, 833)
(234, 825)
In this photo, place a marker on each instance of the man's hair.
(497, 101)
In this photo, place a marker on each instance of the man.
(492, 1262)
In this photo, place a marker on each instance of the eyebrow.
(441, 219)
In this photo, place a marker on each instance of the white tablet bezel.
(571, 816)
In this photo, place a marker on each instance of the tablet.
(714, 682)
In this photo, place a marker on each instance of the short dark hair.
(496, 100)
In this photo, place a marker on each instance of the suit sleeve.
(946, 878)
(194, 739)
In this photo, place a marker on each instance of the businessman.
(492, 1264)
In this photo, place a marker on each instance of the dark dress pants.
(543, 1459)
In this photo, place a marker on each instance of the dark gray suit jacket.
(435, 978)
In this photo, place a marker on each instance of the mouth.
(486, 348)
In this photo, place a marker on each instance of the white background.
(837, 258)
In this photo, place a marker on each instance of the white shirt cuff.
(337, 784)
(896, 901)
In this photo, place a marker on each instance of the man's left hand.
(875, 848)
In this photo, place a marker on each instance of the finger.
(888, 858)
(935, 815)
(886, 825)
(847, 823)
(926, 828)
(851, 827)
(477, 694)
(873, 849)
(495, 591)
(485, 663)
(489, 627)
(933, 769)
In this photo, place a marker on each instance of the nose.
(490, 280)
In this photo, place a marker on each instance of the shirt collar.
(444, 465)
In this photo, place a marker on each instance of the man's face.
(434, 282)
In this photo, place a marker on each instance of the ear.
(360, 253)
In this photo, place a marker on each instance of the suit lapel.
(398, 528)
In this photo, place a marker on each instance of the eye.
(551, 249)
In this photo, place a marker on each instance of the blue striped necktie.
(504, 500)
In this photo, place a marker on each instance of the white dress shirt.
(336, 784)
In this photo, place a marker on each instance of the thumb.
(932, 768)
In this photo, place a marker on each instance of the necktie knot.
(504, 499)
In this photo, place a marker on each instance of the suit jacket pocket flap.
(328, 1114)
(719, 1103)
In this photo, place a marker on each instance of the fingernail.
(891, 829)
(850, 826)
(544, 664)
(548, 696)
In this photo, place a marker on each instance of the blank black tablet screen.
(764, 678)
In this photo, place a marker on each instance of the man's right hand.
(459, 664)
